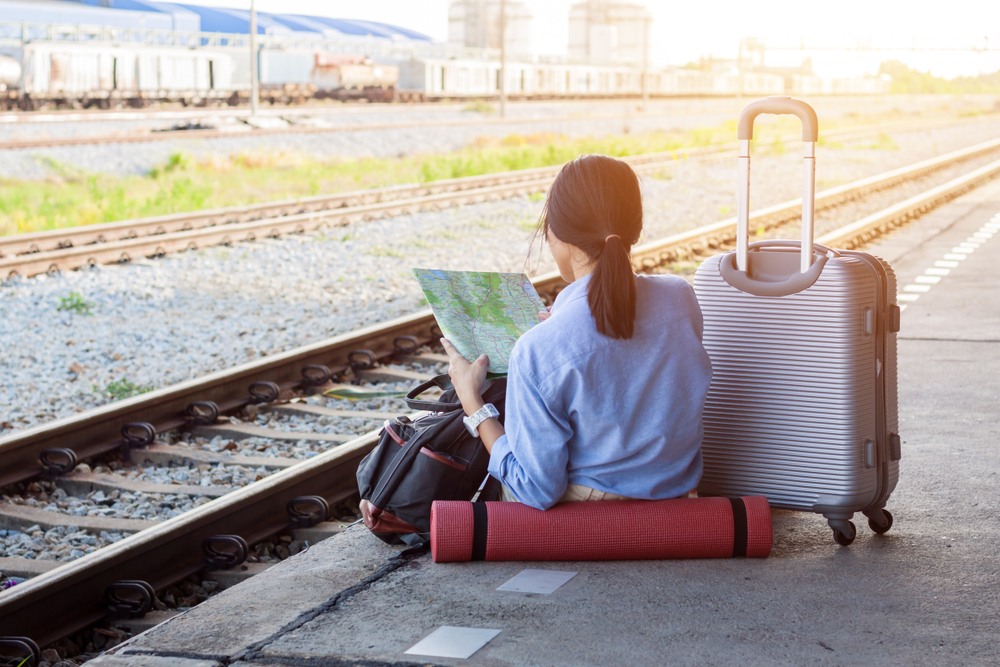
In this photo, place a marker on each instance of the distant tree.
(906, 80)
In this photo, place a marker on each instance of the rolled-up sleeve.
(531, 457)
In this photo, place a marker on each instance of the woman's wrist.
(472, 406)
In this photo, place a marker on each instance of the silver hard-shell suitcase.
(802, 405)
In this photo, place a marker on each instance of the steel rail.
(173, 135)
(58, 239)
(68, 597)
(249, 131)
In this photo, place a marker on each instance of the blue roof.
(180, 16)
(363, 28)
(80, 13)
(236, 21)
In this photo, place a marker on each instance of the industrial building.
(476, 24)
(609, 31)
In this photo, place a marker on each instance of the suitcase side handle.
(810, 132)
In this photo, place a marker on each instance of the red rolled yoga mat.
(601, 530)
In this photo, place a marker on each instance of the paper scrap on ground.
(452, 642)
(537, 581)
(482, 313)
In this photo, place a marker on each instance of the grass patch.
(70, 197)
(882, 143)
(527, 224)
(479, 106)
(120, 389)
(75, 302)
(382, 251)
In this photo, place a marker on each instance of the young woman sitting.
(605, 395)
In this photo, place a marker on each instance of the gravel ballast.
(155, 323)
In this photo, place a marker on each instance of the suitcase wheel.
(845, 535)
(881, 523)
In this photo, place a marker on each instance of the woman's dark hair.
(595, 204)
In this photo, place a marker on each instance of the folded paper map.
(482, 313)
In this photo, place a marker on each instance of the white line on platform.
(968, 250)
(937, 272)
(927, 280)
(955, 255)
(971, 243)
(902, 308)
(945, 264)
(917, 288)
(907, 297)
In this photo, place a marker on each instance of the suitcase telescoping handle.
(810, 133)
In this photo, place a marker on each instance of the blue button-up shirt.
(620, 416)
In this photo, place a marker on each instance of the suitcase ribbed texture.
(793, 395)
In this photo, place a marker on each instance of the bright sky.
(684, 31)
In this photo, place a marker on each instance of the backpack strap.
(496, 391)
(443, 382)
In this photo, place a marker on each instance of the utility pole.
(253, 60)
(739, 66)
(503, 58)
(645, 64)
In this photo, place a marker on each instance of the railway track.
(66, 249)
(302, 128)
(221, 406)
(292, 128)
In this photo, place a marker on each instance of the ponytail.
(595, 204)
(611, 293)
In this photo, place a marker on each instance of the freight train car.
(464, 79)
(66, 73)
(318, 74)
(56, 73)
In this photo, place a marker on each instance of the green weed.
(479, 106)
(527, 224)
(382, 251)
(120, 389)
(882, 142)
(176, 162)
(75, 302)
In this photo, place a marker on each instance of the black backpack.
(416, 462)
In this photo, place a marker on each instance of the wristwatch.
(473, 421)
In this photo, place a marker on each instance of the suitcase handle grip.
(779, 105)
(788, 243)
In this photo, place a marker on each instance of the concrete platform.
(923, 594)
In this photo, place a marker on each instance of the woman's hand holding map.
(467, 378)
